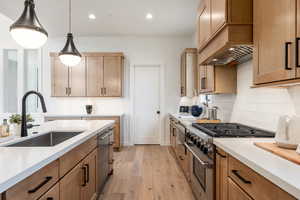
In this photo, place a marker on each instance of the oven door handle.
(203, 163)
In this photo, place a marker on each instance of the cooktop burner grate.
(232, 130)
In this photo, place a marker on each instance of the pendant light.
(27, 31)
(69, 55)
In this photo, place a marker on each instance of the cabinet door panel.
(235, 192)
(71, 184)
(183, 75)
(221, 175)
(94, 76)
(210, 78)
(89, 191)
(218, 14)
(60, 78)
(204, 27)
(273, 28)
(77, 79)
(113, 72)
(202, 78)
(52, 194)
(298, 36)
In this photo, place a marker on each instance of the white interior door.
(146, 104)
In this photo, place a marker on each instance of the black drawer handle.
(222, 156)
(47, 179)
(87, 173)
(50, 198)
(180, 157)
(84, 176)
(235, 172)
(297, 51)
(287, 56)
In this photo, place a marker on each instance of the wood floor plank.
(146, 172)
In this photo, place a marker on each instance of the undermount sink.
(46, 140)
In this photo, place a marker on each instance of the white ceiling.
(114, 17)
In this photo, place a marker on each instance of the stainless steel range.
(199, 140)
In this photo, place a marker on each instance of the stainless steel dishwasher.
(103, 157)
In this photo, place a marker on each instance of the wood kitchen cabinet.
(188, 73)
(236, 181)
(204, 22)
(89, 191)
(68, 81)
(52, 194)
(274, 40)
(97, 75)
(218, 79)
(221, 175)
(71, 185)
(224, 31)
(235, 192)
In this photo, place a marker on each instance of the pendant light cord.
(70, 9)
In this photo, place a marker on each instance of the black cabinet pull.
(87, 173)
(287, 56)
(47, 179)
(50, 198)
(222, 156)
(235, 172)
(297, 51)
(84, 176)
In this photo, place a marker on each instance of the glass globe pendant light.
(27, 31)
(69, 55)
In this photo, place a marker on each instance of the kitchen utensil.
(288, 132)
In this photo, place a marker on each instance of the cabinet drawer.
(254, 184)
(52, 194)
(34, 186)
(69, 160)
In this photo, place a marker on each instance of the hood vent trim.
(238, 54)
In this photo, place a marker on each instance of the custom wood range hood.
(225, 31)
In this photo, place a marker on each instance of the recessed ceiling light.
(215, 60)
(92, 16)
(231, 49)
(149, 16)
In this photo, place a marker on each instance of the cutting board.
(206, 121)
(287, 154)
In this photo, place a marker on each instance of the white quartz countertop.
(17, 163)
(83, 115)
(281, 172)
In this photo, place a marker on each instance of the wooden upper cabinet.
(59, 78)
(97, 75)
(274, 40)
(188, 73)
(112, 76)
(218, 14)
(218, 79)
(204, 23)
(77, 80)
(94, 70)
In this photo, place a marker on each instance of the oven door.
(202, 177)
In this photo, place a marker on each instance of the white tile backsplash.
(259, 107)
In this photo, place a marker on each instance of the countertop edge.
(265, 173)
(31, 170)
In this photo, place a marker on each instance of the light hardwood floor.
(146, 172)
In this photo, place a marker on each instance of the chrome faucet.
(24, 120)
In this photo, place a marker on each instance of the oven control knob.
(205, 150)
(198, 143)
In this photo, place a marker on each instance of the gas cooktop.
(231, 130)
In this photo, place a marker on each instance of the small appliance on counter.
(89, 109)
(184, 106)
(287, 134)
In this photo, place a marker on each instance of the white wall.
(138, 50)
(259, 107)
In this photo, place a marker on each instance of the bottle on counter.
(4, 128)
